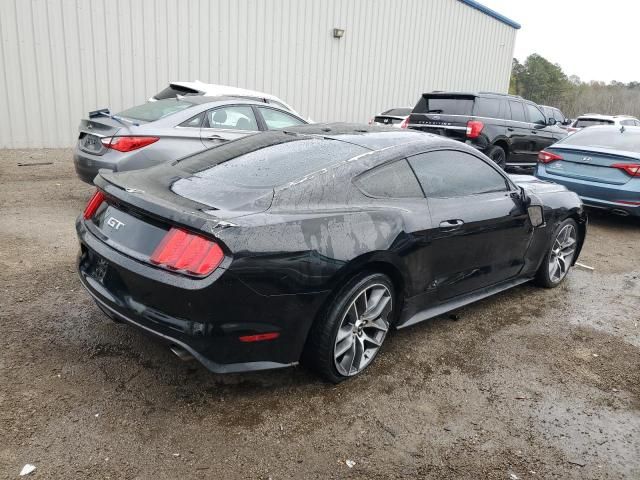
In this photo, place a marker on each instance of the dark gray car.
(155, 132)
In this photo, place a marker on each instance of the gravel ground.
(528, 384)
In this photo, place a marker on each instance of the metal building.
(62, 58)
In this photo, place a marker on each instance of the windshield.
(590, 122)
(627, 139)
(398, 112)
(152, 111)
(172, 91)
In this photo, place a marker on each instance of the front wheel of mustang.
(347, 339)
(560, 256)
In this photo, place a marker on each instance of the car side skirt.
(461, 301)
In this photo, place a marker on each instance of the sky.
(593, 39)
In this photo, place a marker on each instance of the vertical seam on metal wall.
(10, 140)
(37, 75)
(53, 82)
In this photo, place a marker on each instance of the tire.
(560, 255)
(338, 359)
(498, 155)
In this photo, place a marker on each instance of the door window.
(535, 115)
(275, 119)
(451, 173)
(236, 117)
(517, 111)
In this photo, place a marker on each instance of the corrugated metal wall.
(62, 58)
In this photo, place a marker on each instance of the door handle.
(509, 129)
(451, 224)
(535, 132)
(215, 137)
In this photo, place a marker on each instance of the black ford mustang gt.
(312, 243)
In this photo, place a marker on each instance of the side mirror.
(567, 121)
(552, 121)
(536, 215)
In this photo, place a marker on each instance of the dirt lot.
(529, 384)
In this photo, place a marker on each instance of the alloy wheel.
(562, 253)
(362, 330)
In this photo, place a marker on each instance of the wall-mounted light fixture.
(338, 32)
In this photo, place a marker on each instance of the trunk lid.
(443, 114)
(387, 120)
(591, 163)
(92, 130)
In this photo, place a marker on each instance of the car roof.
(605, 117)
(212, 89)
(476, 94)
(371, 137)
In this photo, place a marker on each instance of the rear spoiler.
(103, 112)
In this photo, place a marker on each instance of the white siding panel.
(63, 58)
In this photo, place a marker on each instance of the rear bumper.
(204, 317)
(87, 165)
(599, 195)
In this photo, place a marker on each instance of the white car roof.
(213, 90)
(607, 117)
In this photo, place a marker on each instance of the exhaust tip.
(181, 353)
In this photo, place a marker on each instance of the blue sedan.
(601, 164)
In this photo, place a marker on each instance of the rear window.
(152, 111)
(172, 90)
(277, 164)
(628, 140)
(590, 122)
(398, 112)
(445, 105)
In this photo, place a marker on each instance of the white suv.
(212, 90)
(591, 119)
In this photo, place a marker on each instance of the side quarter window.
(452, 173)
(391, 180)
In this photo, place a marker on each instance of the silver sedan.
(156, 132)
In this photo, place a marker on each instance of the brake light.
(127, 144)
(183, 251)
(92, 205)
(548, 157)
(259, 337)
(632, 169)
(405, 123)
(474, 127)
(371, 121)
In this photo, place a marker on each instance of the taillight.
(405, 123)
(183, 251)
(94, 202)
(371, 121)
(548, 157)
(632, 169)
(474, 127)
(127, 144)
